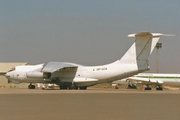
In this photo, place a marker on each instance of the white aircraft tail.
(141, 49)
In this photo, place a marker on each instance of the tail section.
(142, 48)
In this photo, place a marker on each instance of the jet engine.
(38, 75)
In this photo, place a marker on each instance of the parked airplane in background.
(151, 79)
(157, 79)
(68, 75)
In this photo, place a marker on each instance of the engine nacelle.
(38, 75)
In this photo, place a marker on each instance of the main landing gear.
(132, 86)
(147, 88)
(73, 87)
(83, 88)
(64, 87)
(31, 86)
(159, 87)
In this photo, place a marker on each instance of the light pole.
(158, 46)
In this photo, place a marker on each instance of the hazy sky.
(88, 32)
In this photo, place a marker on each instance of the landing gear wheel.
(159, 87)
(31, 86)
(75, 88)
(83, 88)
(62, 87)
(132, 86)
(147, 88)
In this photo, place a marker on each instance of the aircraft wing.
(144, 80)
(51, 67)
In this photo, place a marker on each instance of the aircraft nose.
(7, 75)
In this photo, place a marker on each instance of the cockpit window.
(12, 69)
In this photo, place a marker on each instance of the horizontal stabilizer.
(145, 34)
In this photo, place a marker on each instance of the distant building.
(5, 67)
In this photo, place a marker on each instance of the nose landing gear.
(31, 86)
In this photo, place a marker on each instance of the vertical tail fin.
(142, 47)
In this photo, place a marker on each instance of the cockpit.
(8, 74)
(12, 69)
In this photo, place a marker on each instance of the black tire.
(83, 88)
(62, 87)
(31, 86)
(147, 89)
(75, 88)
(159, 89)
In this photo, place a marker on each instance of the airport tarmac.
(90, 104)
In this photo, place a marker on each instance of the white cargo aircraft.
(155, 78)
(68, 75)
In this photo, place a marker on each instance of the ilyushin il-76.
(71, 75)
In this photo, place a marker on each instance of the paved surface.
(91, 104)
